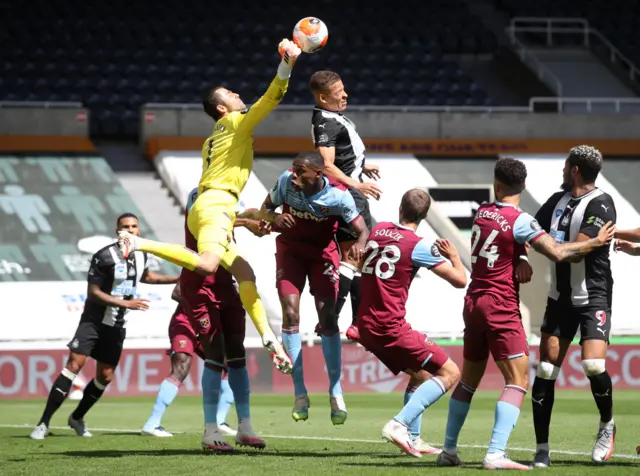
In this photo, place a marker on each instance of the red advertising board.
(30, 373)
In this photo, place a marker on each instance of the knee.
(242, 270)
(105, 376)
(234, 349)
(593, 367)
(180, 366)
(74, 366)
(449, 374)
(547, 371)
(291, 315)
(329, 322)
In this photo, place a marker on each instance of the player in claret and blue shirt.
(311, 206)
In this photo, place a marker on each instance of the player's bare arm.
(627, 247)
(96, 294)
(330, 170)
(268, 213)
(629, 235)
(149, 277)
(453, 273)
(557, 252)
(356, 252)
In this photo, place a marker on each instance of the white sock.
(211, 427)
(244, 426)
(608, 425)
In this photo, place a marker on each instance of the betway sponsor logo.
(305, 215)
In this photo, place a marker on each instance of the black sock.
(91, 395)
(355, 298)
(343, 290)
(602, 390)
(542, 396)
(57, 395)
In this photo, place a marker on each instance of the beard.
(566, 186)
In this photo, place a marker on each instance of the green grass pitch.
(305, 448)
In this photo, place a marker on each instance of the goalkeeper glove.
(289, 52)
(279, 357)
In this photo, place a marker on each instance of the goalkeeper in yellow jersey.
(227, 162)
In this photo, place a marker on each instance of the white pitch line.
(322, 438)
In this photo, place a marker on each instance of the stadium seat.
(173, 51)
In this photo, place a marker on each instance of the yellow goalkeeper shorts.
(211, 220)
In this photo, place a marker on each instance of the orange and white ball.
(310, 34)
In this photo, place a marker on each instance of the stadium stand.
(113, 58)
(56, 212)
(604, 15)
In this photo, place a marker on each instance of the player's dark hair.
(321, 81)
(415, 205)
(310, 158)
(211, 101)
(125, 215)
(511, 173)
(588, 159)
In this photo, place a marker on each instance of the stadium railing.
(44, 118)
(552, 27)
(588, 105)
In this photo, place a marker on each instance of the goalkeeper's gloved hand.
(289, 52)
(279, 357)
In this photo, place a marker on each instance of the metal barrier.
(591, 37)
(591, 105)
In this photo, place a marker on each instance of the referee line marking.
(318, 438)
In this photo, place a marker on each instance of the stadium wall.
(30, 374)
(191, 122)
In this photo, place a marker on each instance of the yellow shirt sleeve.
(244, 123)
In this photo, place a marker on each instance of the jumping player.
(305, 248)
(336, 139)
(215, 310)
(493, 324)
(227, 162)
(392, 258)
(184, 343)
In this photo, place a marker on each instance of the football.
(310, 34)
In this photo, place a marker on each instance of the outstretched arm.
(629, 235)
(557, 252)
(247, 121)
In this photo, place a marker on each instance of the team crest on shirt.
(565, 220)
(323, 210)
(204, 322)
(182, 343)
(602, 318)
(435, 251)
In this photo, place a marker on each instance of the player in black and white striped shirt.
(336, 139)
(112, 285)
(579, 297)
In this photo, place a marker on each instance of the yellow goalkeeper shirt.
(227, 155)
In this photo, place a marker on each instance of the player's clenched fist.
(289, 51)
(284, 220)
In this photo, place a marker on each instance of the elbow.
(460, 282)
